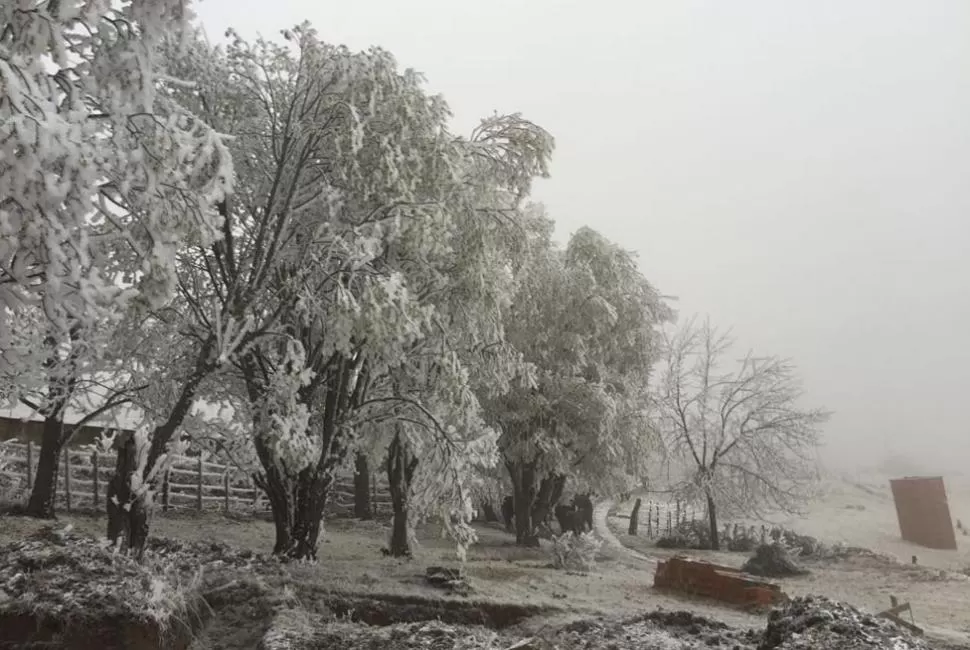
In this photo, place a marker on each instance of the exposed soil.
(390, 609)
(64, 590)
(96, 631)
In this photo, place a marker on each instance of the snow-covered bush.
(8, 483)
(576, 552)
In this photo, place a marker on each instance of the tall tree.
(738, 426)
(348, 198)
(585, 319)
(102, 181)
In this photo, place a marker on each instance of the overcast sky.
(799, 171)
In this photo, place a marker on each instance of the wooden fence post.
(634, 519)
(650, 521)
(373, 495)
(30, 465)
(198, 499)
(166, 490)
(225, 487)
(94, 462)
(67, 476)
(669, 528)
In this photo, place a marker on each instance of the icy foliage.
(102, 179)
(366, 234)
(576, 552)
(282, 418)
(584, 318)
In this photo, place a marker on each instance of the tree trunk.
(712, 522)
(312, 489)
(134, 522)
(281, 495)
(488, 511)
(362, 505)
(128, 514)
(634, 519)
(550, 492)
(401, 465)
(298, 501)
(524, 498)
(297, 504)
(44, 491)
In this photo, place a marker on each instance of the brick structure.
(923, 511)
(723, 583)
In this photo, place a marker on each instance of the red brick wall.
(923, 511)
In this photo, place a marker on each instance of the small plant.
(575, 552)
(687, 535)
(8, 482)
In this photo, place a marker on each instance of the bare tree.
(736, 423)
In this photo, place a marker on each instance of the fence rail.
(190, 482)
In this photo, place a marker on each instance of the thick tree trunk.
(44, 491)
(488, 511)
(712, 522)
(634, 519)
(362, 504)
(401, 465)
(297, 504)
(313, 487)
(298, 501)
(524, 498)
(550, 492)
(280, 493)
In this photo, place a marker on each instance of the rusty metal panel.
(723, 583)
(923, 511)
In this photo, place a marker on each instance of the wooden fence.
(190, 483)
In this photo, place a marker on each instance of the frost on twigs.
(283, 418)
(101, 177)
(574, 552)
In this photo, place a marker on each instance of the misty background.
(799, 171)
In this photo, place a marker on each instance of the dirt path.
(601, 511)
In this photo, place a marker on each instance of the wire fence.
(660, 518)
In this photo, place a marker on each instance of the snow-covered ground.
(859, 511)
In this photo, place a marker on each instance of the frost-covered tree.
(102, 178)
(426, 423)
(73, 379)
(586, 319)
(338, 237)
(738, 425)
(466, 355)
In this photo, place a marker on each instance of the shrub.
(687, 535)
(10, 486)
(575, 552)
